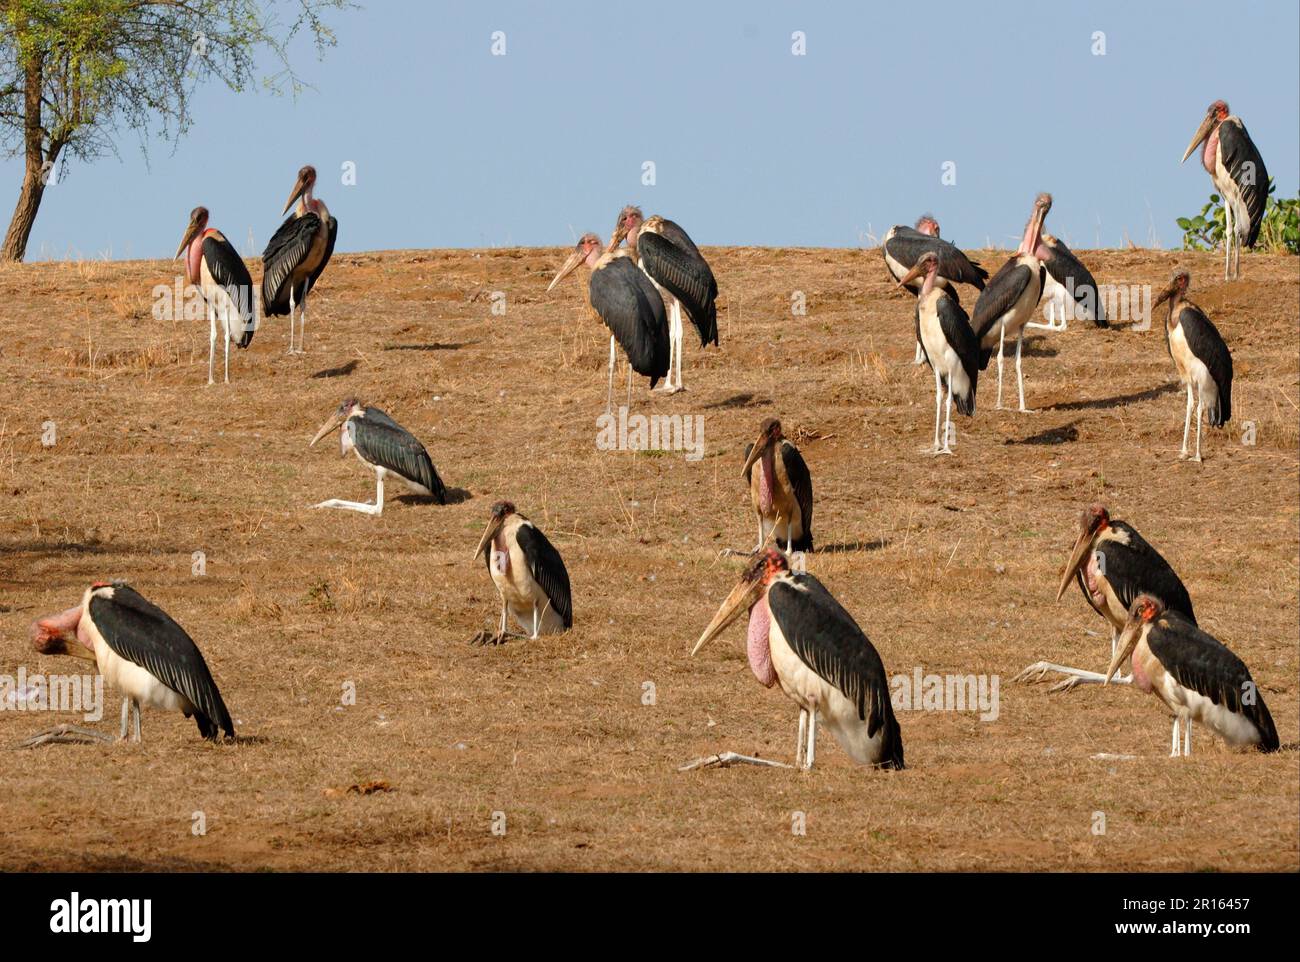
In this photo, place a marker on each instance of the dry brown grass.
(950, 564)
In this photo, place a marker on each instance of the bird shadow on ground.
(848, 547)
(738, 401)
(454, 496)
(341, 371)
(1065, 434)
(1118, 400)
(1031, 348)
(435, 346)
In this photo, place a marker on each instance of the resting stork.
(950, 346)
(681, 275)
(528, 572)
(626, 300)
(801, 637)
(140, 651)
(1196, 676)
(1068, 289)
(903, 247)
(780, 490)
(1112, 565)
(296, 255)
(1009, 299)
(1234, 164)
(214, 266)
(1201, 358)
(387, 447)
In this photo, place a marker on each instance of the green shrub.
(1279, 234)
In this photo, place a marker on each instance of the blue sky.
(455, 147)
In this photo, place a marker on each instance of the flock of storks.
(640, 284)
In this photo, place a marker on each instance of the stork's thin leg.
(629, 384)
(1020, 379)
(1187, 422)
(609, 398)
(1002, 335)
(812, 739)
(803, 733)
(1199, 404)
(225, 322)
(1173, 751)
(1187, 737)
(135, 711)
(291, 351)
(126, 716)
(376, 508)
(212, 339)
(535, 620)
(677, 328)
(789, 537)
(65, 735)
(919, 356)
(947, 425)
(1039, 671)
(938, 404)
(1227, 240)
(302, 325)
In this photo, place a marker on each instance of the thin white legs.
(1002, 336)
(212, 340)
(673, 383)
(609, 398)
(376, 508)
(1186, 748)
(803, 734)
(1020, 379)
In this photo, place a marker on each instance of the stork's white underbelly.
(1191, 369)
(809, 690)
(942, 357)
(133, 681)
(1236, 729)
(521, 592)
(238, 317)
(1020, 313)
(1231, 195)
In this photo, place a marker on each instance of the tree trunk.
(20, 227)
(29, 199)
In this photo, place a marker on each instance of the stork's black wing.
(1137, 568)
(908, 245)
(145, 635)
(1068, 271)
(1207, 666)
(829, 641)
(1205, 341)
(1246, 168)
(284, 252)
(796, 469)
(957, 332)
(633, 311)
(229, 270)
(380, 440)
(547, 568)
(679, 267)
(999, 296)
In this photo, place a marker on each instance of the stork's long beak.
(755, 453)
(190, 233)
(576, 258)
(917, 271)
(489, 533)
(740, 600)
(299, 186)
(57, 635)
(331, 424)
(1164, 295)
(1128, 640)
(1198, 138)
(1080, 552)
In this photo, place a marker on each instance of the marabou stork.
(681, 274)
(387, 447)
(1068, 288)
(801, 637)
(296, 255)
(214, 266)
(780, 490)
(626, 300)
(1008, 300)
(1195, 675)
(529, 574)
(1234, 164)
(903, 247)
(943, 330)
(1112, 565)
(140, 651)
(1201, 358)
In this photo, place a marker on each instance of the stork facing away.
(1069, 289)
(1201, 358)
(681, 275)
(1195, 675)
(140, 651)
(296, 255)
(214, 266)
(385, 446)
(628, 303)
(780, 490)
(1112, 565)
(1009, 299)
(948, 343)
(802, 638)
(1234, 164)
(529, 575)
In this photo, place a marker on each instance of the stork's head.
(1144, 610)
(60, 635)
(628, 226)
(1095, 518)
(927, 264)
(1215, 114)
(926, 224)
(758, 575)
(586, 251)
(347, 409)
(1034, 229)
(198, 224)
(769, 434)
(303, 185)
(1176, 290)
(501, 511)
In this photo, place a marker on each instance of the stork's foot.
(944, 450)
(351, 506)
(1040, 671)
(485, 637)
(66, 735)
(727, 759)
(1195, 459)
(1025, 410)
(670, 388)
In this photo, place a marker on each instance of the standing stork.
(626, 300)
(140, 651)
(1201, 358)
(903, 247)
(1068, 288)
(214, 266)
(780, 490)
(528, 572)
(950, 346)
(680, 273)
(1112, 565)
(1233, 163)
(1196, 676)
(296, 254)
(387, 447)
(1008, 300)
(801, 637)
